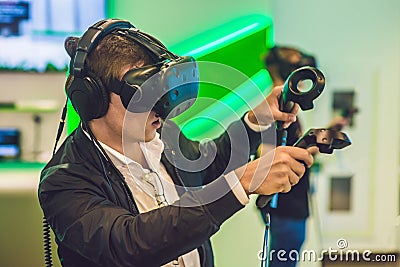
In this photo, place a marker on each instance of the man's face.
(139, 127)
(135, 127)
(132, 127)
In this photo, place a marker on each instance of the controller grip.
(325, 139)
(263, 200)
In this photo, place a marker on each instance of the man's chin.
(150, 137)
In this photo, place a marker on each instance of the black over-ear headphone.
(173, 84)
(86, 91)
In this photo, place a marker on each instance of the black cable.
(157, 194)
(47, 243)
(265, 250)
(37, 120)
(98, 146)
(273, 204)
(46, 227)
(274, 200)
(61, 126)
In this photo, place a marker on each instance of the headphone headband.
(89, 96)
(90, 39)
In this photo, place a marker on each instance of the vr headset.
(168, 87)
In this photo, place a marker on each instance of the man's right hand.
(275, 172)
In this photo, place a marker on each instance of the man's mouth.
(156, 123)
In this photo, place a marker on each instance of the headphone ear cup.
(102, 96)
(89, 97)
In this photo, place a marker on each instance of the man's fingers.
(299, 154)
(294, 178)
(298, 168)
(302, 155)
(286, 187)
(277, 90)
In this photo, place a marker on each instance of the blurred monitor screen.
(32, 32)
(9, 144)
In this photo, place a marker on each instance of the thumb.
(286, 118)
(291, 118)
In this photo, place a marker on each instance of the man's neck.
(106, 136)
(114, 140)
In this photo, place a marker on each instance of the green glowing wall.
(239, 44)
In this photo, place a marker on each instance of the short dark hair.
(112, 54)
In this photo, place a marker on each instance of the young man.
(108, 192)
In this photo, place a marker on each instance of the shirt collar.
(152, 151)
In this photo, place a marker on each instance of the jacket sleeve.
(234, 147)
(79, 210)
(212, 158)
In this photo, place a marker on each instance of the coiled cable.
(47, 243)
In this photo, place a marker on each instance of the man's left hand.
(268, 110)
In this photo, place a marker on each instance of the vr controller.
(325, 139)
(291, 93)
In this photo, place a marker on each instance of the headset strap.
(149, 42)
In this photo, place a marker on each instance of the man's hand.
(268, 111)
(275, 172)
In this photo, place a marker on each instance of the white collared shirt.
(145, 184)
(139, 180)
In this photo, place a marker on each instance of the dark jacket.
(93, 214)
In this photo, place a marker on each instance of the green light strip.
(219, 43)
(21, 165)
(210, 41)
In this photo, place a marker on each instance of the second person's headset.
(167, 87)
